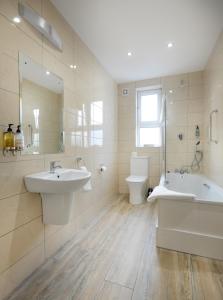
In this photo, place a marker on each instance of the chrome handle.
(210, 130)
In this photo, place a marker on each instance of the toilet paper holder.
(102, 168)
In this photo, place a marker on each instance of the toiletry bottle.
(1, 141)
(197, 132)
(19, 139)
(9, 139)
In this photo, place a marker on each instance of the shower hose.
(195, 165)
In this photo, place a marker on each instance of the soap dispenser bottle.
(9, 139)
(19, 139)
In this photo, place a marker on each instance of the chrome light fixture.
(40, 24)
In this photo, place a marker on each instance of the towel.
(162, 192)
(87, 187)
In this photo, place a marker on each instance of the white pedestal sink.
(57, 192)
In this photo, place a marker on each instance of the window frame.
(147, 124)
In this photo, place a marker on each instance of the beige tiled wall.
(213, 79)
(185, 106)
(24, 241)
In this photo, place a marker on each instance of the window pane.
(149, 108)
(150, 136)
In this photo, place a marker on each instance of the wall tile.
(15, 40)
(196, 78)
(18, 210)
(196, 92)
(12, 176)
(9, 79)
(20, 242)
(11, 278)
(9, 103)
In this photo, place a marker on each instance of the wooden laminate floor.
(116, 258)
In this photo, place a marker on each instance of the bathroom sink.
(60, 182)
(57, 192)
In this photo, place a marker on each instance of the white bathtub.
(194, 224)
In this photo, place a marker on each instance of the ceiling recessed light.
(129, 53)
(170, 45)
(171, 91)
(47, 72)
(17, 20)
(75, 67)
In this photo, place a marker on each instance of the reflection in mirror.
(96, 123)
(41, 108)
(89, 125)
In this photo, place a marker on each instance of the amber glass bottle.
(9, 139)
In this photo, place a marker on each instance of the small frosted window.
(149, 117)
(150, 136)
(149, 108)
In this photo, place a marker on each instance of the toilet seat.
(133, 178)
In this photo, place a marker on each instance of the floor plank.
(127, 256)
(111, 291)
(207, 278)
(117, 258)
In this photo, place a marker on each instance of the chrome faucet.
(53, 166)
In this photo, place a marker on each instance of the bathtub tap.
(182, 171)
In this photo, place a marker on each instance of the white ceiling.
(112, 28)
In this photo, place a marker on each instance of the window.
(148, 118)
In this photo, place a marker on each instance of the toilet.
(137, 181)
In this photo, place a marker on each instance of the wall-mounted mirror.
(41, 108)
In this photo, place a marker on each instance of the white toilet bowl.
(137, 189)
(137, 181)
